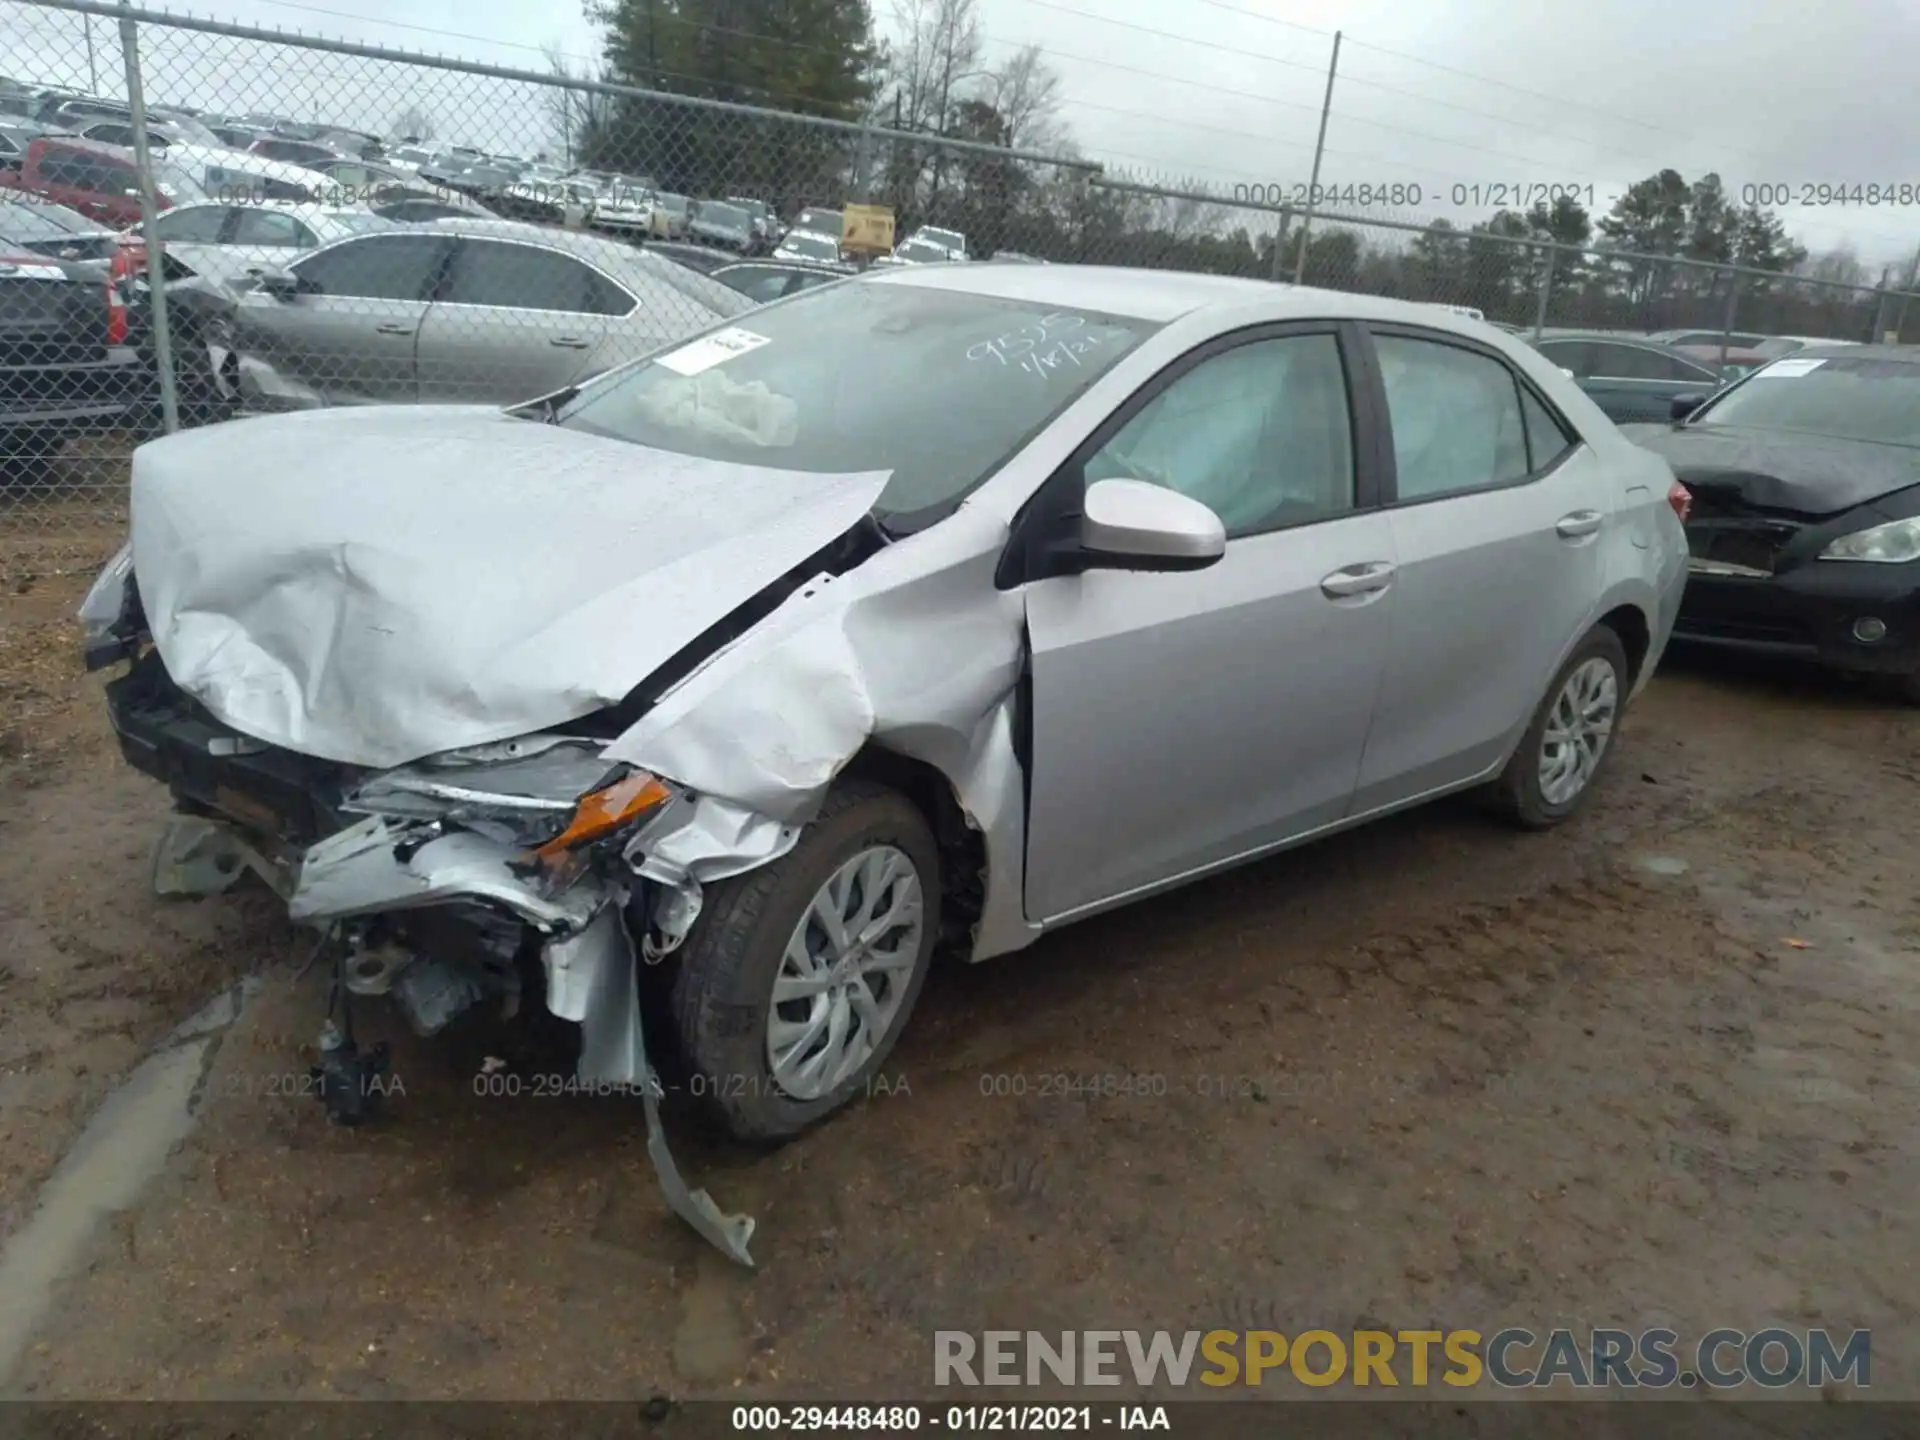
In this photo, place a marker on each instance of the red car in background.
(99, 180)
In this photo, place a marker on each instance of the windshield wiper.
(546, 408)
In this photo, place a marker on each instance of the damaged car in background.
(1805, 527)
(702, 702)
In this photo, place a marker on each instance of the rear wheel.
(1558, 760)
(799, 976)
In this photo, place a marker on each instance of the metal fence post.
(1733, 310)
(1546, 291)
(1279, 242)
(149, 218)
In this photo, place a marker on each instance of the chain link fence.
(340, 223)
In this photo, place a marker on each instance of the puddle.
(1662, 864)
(121, 1150)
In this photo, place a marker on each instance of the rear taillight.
(127, 258)
(1681, 499)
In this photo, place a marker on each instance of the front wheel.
(1559, 758)
(799, 976)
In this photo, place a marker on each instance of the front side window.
(1260, 434)
(381, 267)
(1455, 415)
(935, 388)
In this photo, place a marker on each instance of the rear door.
(1181, 721)
(352, 332)
(513, 321)
(1497, 517)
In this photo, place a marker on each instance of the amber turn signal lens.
(603, 811)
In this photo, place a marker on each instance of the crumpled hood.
(379, 584)
(1777, 469)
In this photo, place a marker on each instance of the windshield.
(821, 222)
(1848, 399)
(175, 183)
(922, 250)
(724, 217)
(936, 387)
(812, 247)
(952, 239)
(21, 221)
(674, 204)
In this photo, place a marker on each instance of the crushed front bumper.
(1810, 612)
(280, 813)
(379, 867)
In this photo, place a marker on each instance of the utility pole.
(1319, 147)
(1900, 315)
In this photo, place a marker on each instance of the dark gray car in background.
(1631, 380)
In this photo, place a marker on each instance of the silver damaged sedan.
(932, 610)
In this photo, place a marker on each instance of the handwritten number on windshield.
(1039, 348)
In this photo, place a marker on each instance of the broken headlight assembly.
(550, 796)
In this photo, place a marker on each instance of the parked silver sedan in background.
(949, 605)
(462, 310)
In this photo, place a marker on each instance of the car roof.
(769, 262)
(1165, 295)
(1900, 354)
(597, 248)
(97, 147)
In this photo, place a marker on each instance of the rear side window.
(1571, 355)
(1548, 437)
(761, 285)
(198, 225)
(1455, 416)
(380, 267)
(1630, 362)
(486, 272)
(271, 227)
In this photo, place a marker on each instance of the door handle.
(1365, 579)
(1580, 523)
(391, 329)
(569, 342)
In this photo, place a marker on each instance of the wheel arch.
(963, 848)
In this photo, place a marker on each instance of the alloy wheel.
(845, 972)
(1578, 729)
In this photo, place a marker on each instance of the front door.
(1182, 720)
(350, 334)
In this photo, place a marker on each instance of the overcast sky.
(1446, 94)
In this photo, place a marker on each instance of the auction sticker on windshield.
(1788, 369)
(710, 350)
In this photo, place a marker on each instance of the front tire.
(799, 976)
(1555, 765)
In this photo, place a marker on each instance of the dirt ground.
(1655, 1067)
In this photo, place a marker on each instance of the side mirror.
(1681, 406)
(280, 284)
(1131, 525)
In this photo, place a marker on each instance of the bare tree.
(573, 112)
(937, 56)
(414, 123)
(1025, 90)
(1841, 265)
